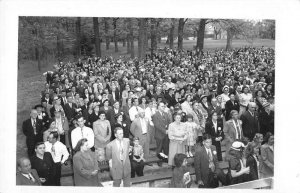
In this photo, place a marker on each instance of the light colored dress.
(191, 133)
(176, 132)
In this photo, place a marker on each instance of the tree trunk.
(38, 58)
(141, 38)
(229, 39)
(180, 33)
(128, 44)
(106, 26)
(146, 37)
(97, 38)
(168, 39)
(171, 35)
(78, 36)
(124, 42)
(115, 34)
(153, 36)
(158, 38)
(200, 35)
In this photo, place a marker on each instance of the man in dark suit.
(115, 94)
(250, 123)
(26, 175)
(42, 115)
(33, 130)
(230, 105)
(266, 119)
(161, 123)
(170, 98)
(214, 108)
(69, 108)
(214, 127)
(206, 163)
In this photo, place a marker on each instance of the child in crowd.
(191, 133)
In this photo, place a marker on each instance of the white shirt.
(58, 124)
(60, 153)
(144, 125)
(79, 133)
(133, 111)
(120, 145)
(29, 176)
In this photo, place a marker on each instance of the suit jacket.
(229, 107)
(250, 124)
(22, 180)
(117, 95)
(113, 153)
(161, 123)
(230, 132)
(266, 122)
(136, 127)
(201, 162)
(210, 129)
(83, 165)
(218, 109)
(70, 111)
(29, 132)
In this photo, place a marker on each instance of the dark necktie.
(211, 161)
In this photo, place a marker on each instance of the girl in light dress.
(191, 129)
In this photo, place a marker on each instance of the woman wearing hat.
(107, 109)
(269, 91)
(259, 100)
(237, 165)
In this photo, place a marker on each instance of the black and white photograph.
(151, 101)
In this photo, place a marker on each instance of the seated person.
(137, 160)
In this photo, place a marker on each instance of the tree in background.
(97, 36)
(181, 23)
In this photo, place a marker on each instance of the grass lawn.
(31, 81)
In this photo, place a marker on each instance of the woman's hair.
(38, 144)
(233, 111)
(178, 159)
(257, 136)
(79, 144)
(267, 137)
(177, 114)
(244, 87)
(250, 149)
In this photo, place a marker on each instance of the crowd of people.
(188, 104)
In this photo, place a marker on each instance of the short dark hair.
(206, 136)
(55, 134)
(79, 144)
(267, 136)
(38, 144)
(178, 159)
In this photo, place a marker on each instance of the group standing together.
(185, 104)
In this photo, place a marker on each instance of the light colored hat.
(237, 145)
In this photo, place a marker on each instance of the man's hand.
(95, 172)
(200, 182)
(43, 180)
